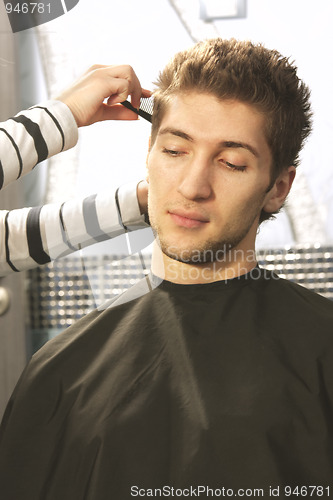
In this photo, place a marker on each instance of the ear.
(280, 190)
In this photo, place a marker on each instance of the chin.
(198, 254)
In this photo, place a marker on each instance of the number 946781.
(31, 8)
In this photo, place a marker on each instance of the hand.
(85, 98)
(142, 195)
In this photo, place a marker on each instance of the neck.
(235, 263)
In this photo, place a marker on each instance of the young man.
(218, 381)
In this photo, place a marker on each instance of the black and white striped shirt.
(34, 236)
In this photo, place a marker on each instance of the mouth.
(189, 220)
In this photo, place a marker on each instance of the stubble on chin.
(206, 251)
(219, 249)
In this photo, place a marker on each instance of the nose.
(196, 182)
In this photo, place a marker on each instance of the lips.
(188, 219)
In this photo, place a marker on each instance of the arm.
(32, 136)
(45, 130)
(34, 236)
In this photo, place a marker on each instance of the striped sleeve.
(32, 136)
(14, 247)
(127, 203)
(34, 236)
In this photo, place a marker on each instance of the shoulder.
(296, 304)
(100, 329)
(300, 293)
(92, 345)
(86, 353)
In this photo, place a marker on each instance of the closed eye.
(239, 168)
(172, 152)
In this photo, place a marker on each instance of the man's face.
(208, 173)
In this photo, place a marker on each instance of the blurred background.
(36, 64)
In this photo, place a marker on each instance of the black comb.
(145, 110)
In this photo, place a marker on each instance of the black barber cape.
(221, 385)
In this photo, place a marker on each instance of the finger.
(120, 91)
(121, 74)
(118, 112)
(134, 87)
(146, 93)
(94, 67)
(135, 90)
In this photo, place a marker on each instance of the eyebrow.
(176, 132)
(224, 144)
